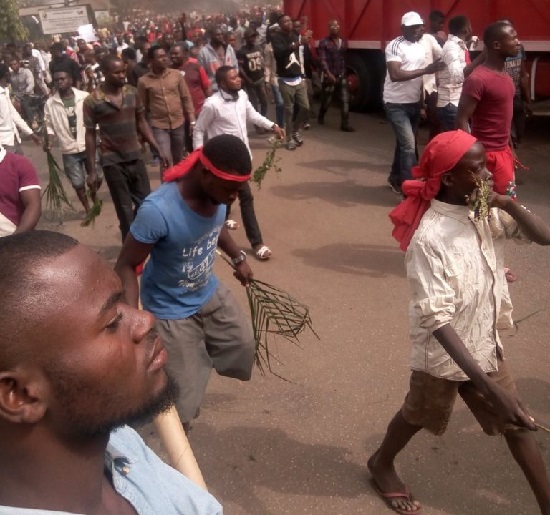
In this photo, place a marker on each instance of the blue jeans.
(404, 119)
(447, 117)
(279, 105)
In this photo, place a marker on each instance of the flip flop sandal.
(388, 497)
(263, 253)
(231, 225)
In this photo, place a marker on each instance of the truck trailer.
(369, 25)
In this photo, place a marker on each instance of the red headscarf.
(440, 155)
(185, 166)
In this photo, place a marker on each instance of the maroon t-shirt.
(195, 77)
(492, 118)
(17, 174)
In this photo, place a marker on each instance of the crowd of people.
(191, 88)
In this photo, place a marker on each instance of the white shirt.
(36, 53)
(451, 78)
(455, 269)
(57, 122)
(412, 56)
(221, 116)
(432, 52)
(10, 121)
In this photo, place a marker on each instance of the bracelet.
(239, 259)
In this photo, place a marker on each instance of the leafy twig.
(270, 162)
(56, 196)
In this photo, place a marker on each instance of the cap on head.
(411, 19)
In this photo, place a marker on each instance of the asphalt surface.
(300, 446)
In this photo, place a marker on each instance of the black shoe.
(395, 189)
(297, 138)
(347, 128)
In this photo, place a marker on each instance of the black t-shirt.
(252, 62)
(70, 104)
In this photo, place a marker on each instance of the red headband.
(185, 166)
(440, 155)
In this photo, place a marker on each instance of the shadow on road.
(376, 261)
(341, 194)
(259, 457)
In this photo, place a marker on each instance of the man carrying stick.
(454, 267)
(180, 226)
(77, 364)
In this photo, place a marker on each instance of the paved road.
(300, 447)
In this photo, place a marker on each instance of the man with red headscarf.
(454, 267)
(179, 227)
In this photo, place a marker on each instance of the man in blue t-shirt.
(180, 226)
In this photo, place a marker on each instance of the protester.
(179, 227)
(61, 61)
(92, 72)
(454, 327)
(272, 80)
(293, 89)
(197, 82)
(118, 111)
(20, 202)
(432, 48)
(77, 366)
(167, 103)
(332, 54)
(216, 54)
(515, 67)
(405, 60)
(487, 100)
(142, 67)
(10, 120)
(64, 120)
(458, 66)
(252, 69)
(227, 112)
(22, 87)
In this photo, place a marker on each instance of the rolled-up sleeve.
(432, 298)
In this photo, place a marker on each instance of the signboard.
(59, 21)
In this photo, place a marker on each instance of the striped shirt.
(117, 125)
(411, 56)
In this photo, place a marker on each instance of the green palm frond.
(271, 161)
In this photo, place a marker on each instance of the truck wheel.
(364, 82)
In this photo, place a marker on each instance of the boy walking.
(455, 270)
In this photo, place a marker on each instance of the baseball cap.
(411, 18)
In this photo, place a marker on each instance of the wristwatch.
(239, 259)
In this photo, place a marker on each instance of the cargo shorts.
(218, 336)
(431, 399)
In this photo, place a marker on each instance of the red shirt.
(492, 119)
(17, 174)
(197, 81)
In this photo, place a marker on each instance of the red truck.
(369, 25)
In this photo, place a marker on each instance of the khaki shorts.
(219, 336)
(430, 401)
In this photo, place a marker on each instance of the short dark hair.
(494, 32)
(222, 72)
(20, 254)
(56, 46)
(183, 47)
(129, 53)
(63, 69)
(108, 61)
(436, 15)
(229, 154)
(458, 24)
(4, 70)
(153, 50)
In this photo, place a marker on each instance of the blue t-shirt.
(178, 278)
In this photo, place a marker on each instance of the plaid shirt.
(332, 54)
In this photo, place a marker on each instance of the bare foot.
(387, 484)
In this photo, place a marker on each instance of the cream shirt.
(455, 269)
(451, 78)
(432, 52)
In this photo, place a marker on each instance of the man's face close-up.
(103, 359)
